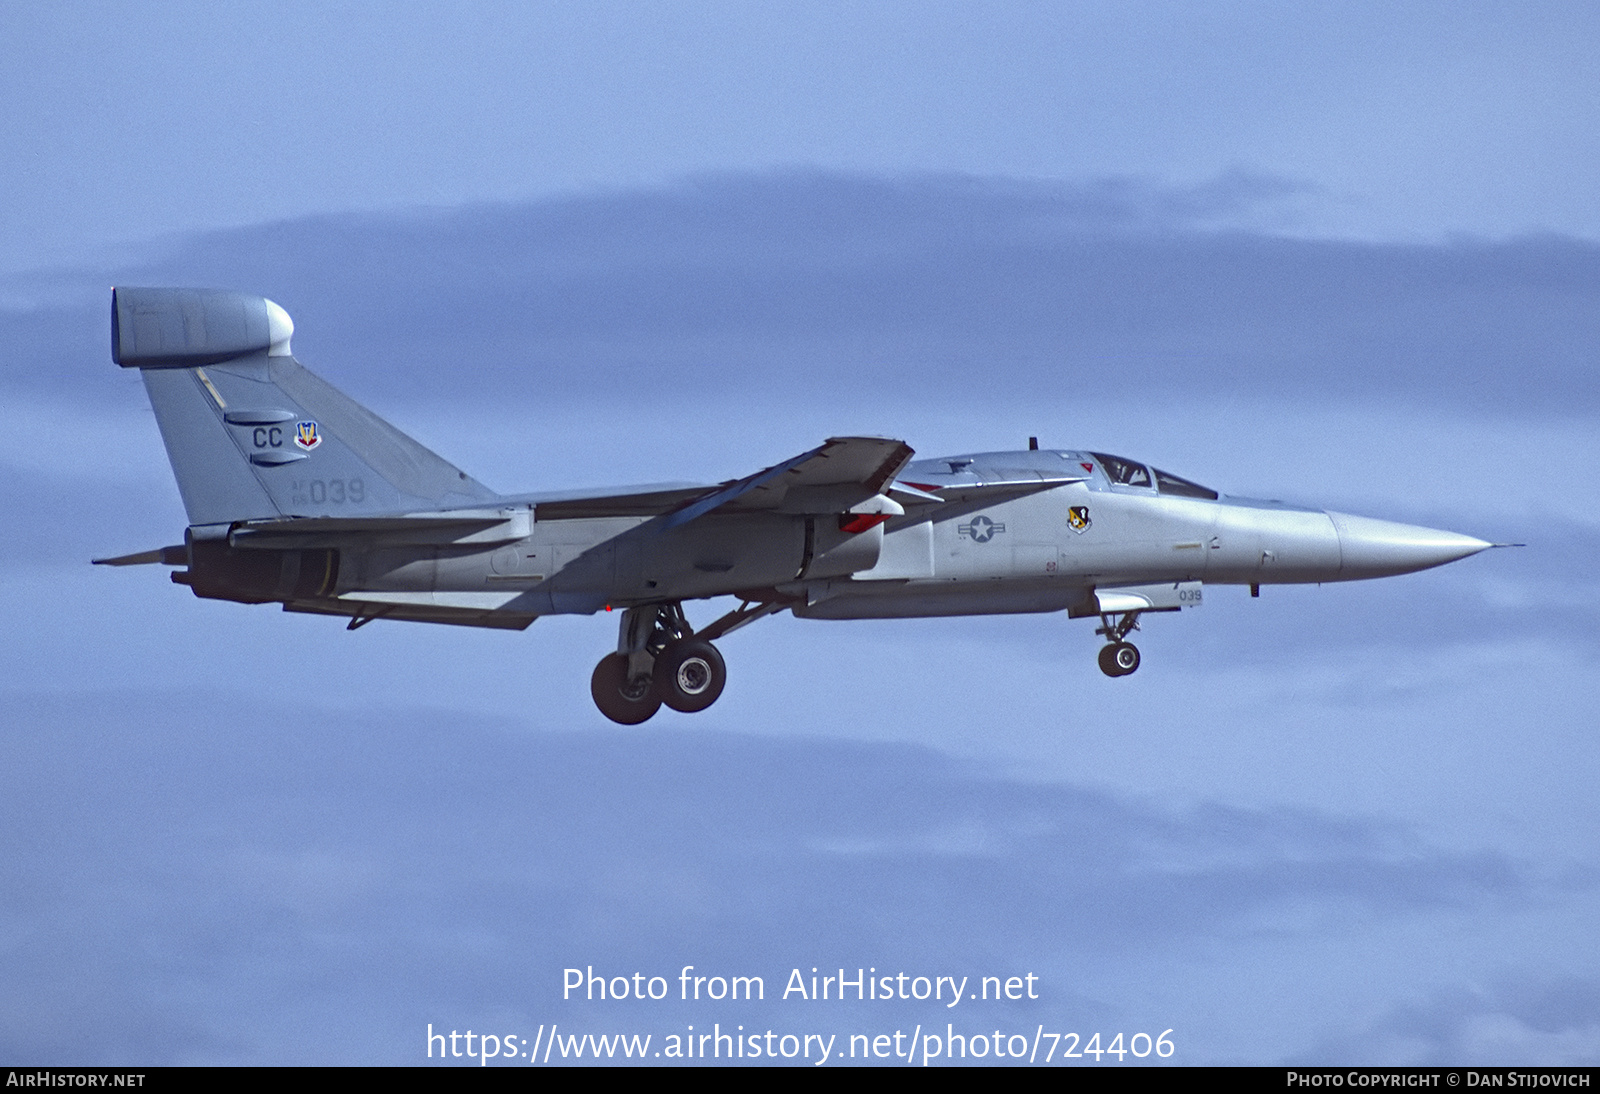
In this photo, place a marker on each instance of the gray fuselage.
(1041, 551)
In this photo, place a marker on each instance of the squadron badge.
(306, 435)
(1078, 518)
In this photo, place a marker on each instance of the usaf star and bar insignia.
(981, 529)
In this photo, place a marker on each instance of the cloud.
(182, 867)
(1540, 1022)
(807, 286)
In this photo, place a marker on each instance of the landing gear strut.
(1119, 657)
(661, 660)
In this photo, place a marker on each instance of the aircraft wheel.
(690, 674)
(623, 701)
(1119, 659)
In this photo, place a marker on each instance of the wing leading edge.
(839, 473)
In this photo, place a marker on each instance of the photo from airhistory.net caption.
(950, 1031)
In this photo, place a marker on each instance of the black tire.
(1107, 665)
(620, 700)
(690, 674)
(1125, 656)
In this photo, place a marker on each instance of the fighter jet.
(299, 496)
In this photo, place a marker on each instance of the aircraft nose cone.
(1379, 548)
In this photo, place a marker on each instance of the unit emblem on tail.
(306, 435)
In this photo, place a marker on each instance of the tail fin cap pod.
(183, 328)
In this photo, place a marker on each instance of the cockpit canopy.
(1128, 473)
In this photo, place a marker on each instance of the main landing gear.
(661, 660)
(1119, 657)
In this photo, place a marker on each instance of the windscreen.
(1123, 472)
(1169, 483)
(1128, 473)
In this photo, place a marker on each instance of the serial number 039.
(335, 491)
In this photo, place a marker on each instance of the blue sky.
(1414, 119)
(1348, 262)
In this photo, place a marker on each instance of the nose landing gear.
(1120, 657)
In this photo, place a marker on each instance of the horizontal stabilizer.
(361, 613)
(490, 601)
(165, 556)
(460, 526)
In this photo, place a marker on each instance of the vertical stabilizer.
(251, 433)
